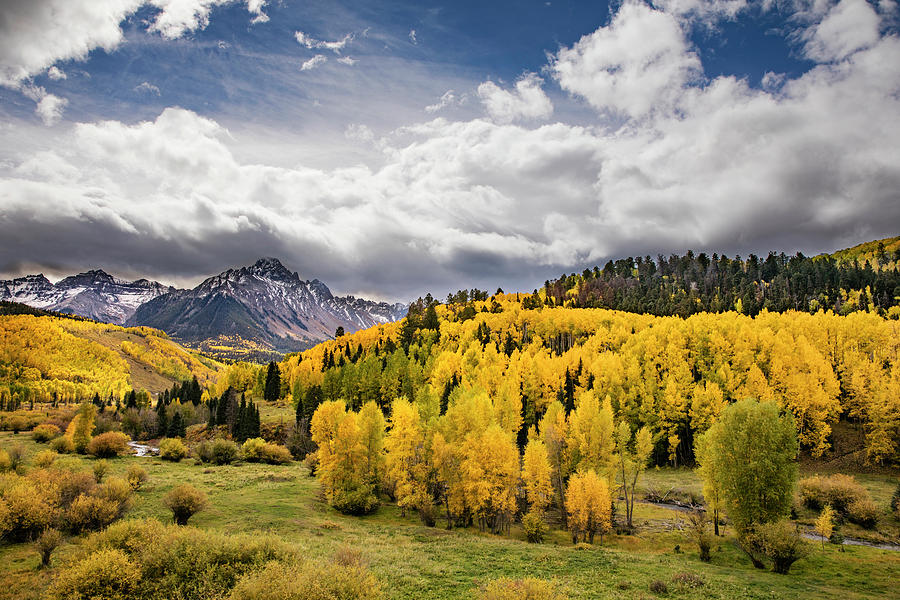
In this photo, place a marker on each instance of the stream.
(143, 449)
(808, 534)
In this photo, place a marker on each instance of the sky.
(396, 148)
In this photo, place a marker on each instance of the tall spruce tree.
(272, 390)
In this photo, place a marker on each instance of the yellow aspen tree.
(712, 486)
(405, 452)
(536, 475)
(824, 524)
(371, 426)
(591, 433)
(553, 428)
(632, 460)
(588, 505)
(490, 473)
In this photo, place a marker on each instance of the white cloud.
(639, 63)
(314, 44)
(412, 36)
(346, 60)
(50, 109)
(36, 34)
(315, 61)
(449, 98)
(850, 26)
(528, 101)
(146, 87)
(56, 74)
(706, 11)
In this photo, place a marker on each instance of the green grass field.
(414, 561)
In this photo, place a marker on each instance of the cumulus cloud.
(850, 26)
(346, 60)
(56, 74)
(639, 63)
(50, 109)
(38, 33)
(315, 61)
(723, 167)
(527, 101)
(314, 44)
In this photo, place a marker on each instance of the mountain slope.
(265, 303)
(879, 253)
(43, 356)
(92, 294)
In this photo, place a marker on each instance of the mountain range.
(264, 303)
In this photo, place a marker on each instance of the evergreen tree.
(176, 426)
(272, 390)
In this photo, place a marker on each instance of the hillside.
(674, 375)
(42, 357)
(857, 279)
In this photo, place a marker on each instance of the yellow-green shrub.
(172, 449)
(136, 476)
(5, 462)
(184, 501)
(63, 445)
(109, 444)
(840, 491)
(44, 459)
(258, 450)
(528, 588)
(118, 491)
(91, 513)
(45, 432)
(103, 575)
(307, 581)
(863, 512)
(30, 509)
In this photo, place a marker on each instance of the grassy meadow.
(414, 561)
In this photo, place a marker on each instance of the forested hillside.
(46, 358)
(863, 278)
(671, 374)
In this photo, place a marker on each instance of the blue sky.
(392, 148)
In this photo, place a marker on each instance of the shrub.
(91, 513)
(172, 449)
(360, 500)
(109, 444)
(47, 543)
(839, 490)
(44, 433)
(688, 580)
(218, 451)
(307, 581)
(136, 476)
(44, 459)
(311, 462)
(101, 468)
(863, 512)
(699, 531)
(528, 588)
(258, 450)
(895, 501)
(782, 544)
(71, 484)
(63, 445)
(5, 462)
(16, 424)
(534, 526)
(104, 575)
(659, 587)
(184, 501)
(30, 509)
(118, 491)
(16, 457)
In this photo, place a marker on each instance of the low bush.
(534, 526)
(101, 468)
(136, 476)
(218, 451)
(118, 491)
(782, 544)
(109, 444)
(527, 588)
(258, 450)
(17, 423)
(104, 575)
(863, 512)
(5, 462)
(45, 432)
(46, 543)
(44, 459)
(895, 502)
(71, 484)
(360, 500)
(659, 587)
(839, 490)
(63, 445)
(16, 456)
(311, 462)
(172, 449)
(30, 509)
(307, 581)
(688, 580)
(184, 501)
(91, 513)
